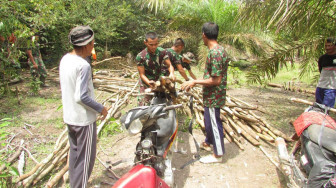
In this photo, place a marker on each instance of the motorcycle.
(158, 128)
(312, 160)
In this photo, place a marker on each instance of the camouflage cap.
(81, 35)
(190, 56)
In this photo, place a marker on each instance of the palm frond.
(283, 55)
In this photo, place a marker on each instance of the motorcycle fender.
(140, 176)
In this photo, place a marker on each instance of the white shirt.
(79, 106)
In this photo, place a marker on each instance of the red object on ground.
(140, 176)
(308, 118)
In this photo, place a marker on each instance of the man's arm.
(85, 98)
(170, 69)
(141, 70)
(182, 72)
(192, 74)
(212, 81)
(30, 56)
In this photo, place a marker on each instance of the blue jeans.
(325, 96)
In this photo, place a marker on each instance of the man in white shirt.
(79, 107)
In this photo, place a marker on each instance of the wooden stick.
(254, 127)
(21, 160)
(266, 137)
(234, 125)
(274, 130)
(58, 176)
(108, 169)
(53, 163)
(238, 144)
(250, 132)
(99, 62)
(302, 101)
(30, 155)
(269, 157)
(246, 118)
(227, 136)
(11, 159)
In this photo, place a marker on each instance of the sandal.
(205, 146)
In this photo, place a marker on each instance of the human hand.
(172, 77)
(103, 113)
(188, 85)
(35, 66)
(151, 83)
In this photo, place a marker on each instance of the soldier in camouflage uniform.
(8, 57)
(175, 58)
(214, 92)
(188, 58)
(149, 63)
(37, 67)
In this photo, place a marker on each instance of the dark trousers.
(83, 141)
(214, 130)
(325, 96)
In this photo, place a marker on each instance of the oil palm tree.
(270, 33)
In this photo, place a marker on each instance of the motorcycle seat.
(328, 140)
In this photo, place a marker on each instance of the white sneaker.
(210, 159)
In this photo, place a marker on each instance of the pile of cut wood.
(240, 122)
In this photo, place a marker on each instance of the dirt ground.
(239, 168)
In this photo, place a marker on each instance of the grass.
(291, 74)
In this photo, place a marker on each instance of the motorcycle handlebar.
(321, 106)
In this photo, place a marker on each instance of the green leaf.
(60, 107)
(6, 119)
(14, 171)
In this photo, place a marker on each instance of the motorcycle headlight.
(135, 127)
(146, 144)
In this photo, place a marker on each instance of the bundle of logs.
(240, 121)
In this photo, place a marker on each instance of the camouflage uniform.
(153, 70)
(214, 98)
(41, 71)
(216, 65)
(185, 65)
(174, 58)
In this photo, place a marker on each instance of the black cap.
(81, 35)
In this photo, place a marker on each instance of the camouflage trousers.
(143, 100)
(40, 72)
